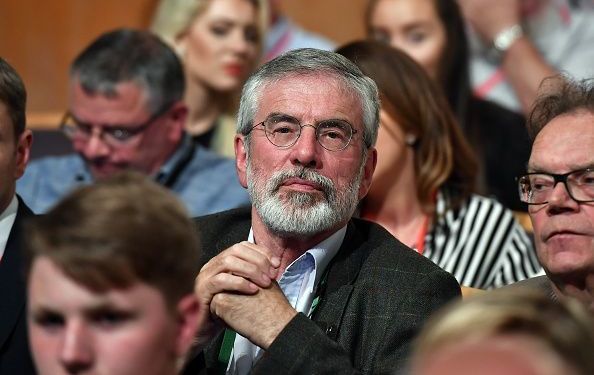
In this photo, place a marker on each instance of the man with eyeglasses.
(126, 112)
(295, 285)
(559, 189)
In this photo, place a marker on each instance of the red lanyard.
(419, 245)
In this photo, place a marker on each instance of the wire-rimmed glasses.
(284, 131)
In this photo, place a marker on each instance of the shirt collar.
(322, 252)
(7, 219)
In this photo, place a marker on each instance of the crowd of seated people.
(423, 188)
(219, 43)
(349, 218)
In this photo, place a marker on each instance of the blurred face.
(564, 228)
(395, 155)
(73, 330)
(99, 119)
(413, 26)
(14, 154)
(306, 189)
(503, 354)
(222, 45)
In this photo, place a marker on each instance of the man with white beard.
(295, 285)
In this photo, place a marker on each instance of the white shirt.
(6, 221)
(298, 283)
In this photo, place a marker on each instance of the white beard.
(299, 213)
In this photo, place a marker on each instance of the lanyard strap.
(225, 352)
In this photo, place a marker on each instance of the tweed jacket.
(14, 349)
(377, 295)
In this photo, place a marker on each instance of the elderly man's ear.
(241, 159)
(368, 170)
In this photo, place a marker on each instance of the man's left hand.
(259, 317)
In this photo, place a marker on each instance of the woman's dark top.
(500, 139)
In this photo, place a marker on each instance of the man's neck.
(287, 248)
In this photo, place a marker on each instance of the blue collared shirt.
(206, 183)
(298, 283)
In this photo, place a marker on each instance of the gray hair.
(126, 55)
(308, 61)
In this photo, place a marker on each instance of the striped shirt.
(481, 244)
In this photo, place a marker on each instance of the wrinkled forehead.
(564, 144)
(323, 90)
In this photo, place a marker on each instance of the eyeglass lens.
(333, 135)
(536, 188)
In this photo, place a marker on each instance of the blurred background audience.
(517, 43)
(507, 333)
(284, 34)
(423, 185)
(432, 32)
(219, 43)
(126, 112)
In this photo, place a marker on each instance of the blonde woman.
(219, 42)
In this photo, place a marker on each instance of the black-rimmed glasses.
(284, 131)
(536, 188)
(116, 136)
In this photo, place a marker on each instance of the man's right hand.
(243, 268)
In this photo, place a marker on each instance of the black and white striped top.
(481, 244)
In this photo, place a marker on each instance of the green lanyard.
(225, 352)
(229, 337)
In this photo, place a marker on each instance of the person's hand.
(259, 317)
(243, 268)
(490, 17)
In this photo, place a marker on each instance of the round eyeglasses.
(284, 131)
(536, 188)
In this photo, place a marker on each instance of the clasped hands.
(238, 289)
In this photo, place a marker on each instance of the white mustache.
(277, 179)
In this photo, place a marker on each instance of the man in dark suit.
(15, 143)
(559, 189)
(311, 290)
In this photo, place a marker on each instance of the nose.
(95, 147)
(306, 151)
(239, 43)
(76, 349)
(560, 201)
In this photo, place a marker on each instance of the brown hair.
(559, 95)
(119, 231)
(443, 157)
(14, 96)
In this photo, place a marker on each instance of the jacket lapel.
(12, 282)
(342, 273)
